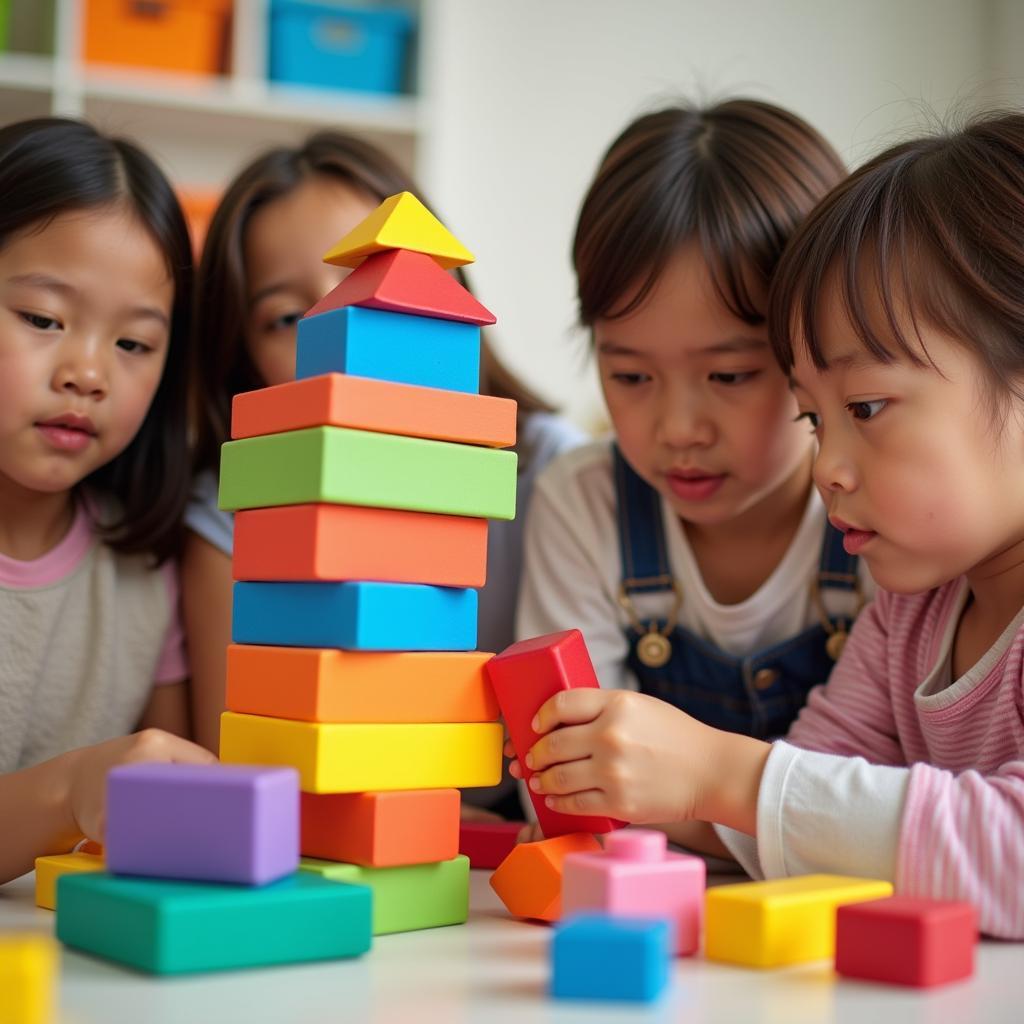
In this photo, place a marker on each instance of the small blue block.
(398, 347)
(355, 616)
(596, 956)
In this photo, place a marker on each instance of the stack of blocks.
(362, 491)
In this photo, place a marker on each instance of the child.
(94, 290)
(693, 551)
(897, 310)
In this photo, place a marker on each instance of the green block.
(169, 927)
(406, 899)
(360, 467)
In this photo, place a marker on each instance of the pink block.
(636, 876)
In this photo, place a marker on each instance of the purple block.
(208, 823)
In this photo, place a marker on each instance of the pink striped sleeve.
(172, 666)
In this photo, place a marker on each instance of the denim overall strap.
(645, 566)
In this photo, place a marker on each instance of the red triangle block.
(404, 281)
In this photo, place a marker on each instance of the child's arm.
(168, 709)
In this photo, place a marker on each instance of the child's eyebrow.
(55, 284)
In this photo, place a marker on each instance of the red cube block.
(488, 843)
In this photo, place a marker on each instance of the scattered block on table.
(400, 222)
(49, 869)
(905, 941)
(361, 403)
(389, 829)
(315, 684)
(211, 823)
(172, 927)
(407, 899)
(599, 956)
(523, 677)
(356, 467)
(529, 880)
(637, 877)
(355, 615)
(786, 921)
(488, 843)
(349, 758)
(28, 978)
(404, 281)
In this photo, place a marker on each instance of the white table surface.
(495, 969)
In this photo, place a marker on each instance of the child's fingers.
(570, 707)
(570, 743)
(572, 777)
(590, 801)
(514, 769)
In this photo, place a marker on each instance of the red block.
(523, 677)
(906, 941)
(405, 282)
(488, 843)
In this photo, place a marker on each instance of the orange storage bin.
(169, 35)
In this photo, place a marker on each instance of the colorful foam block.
(213, 823)
(400, 222)
(523, 677)
(381, 830)
(355, 615)
(338, 400)
(170, 927)
(334, 758)
(529, 880)
(407, 899)
(49, 869)
(356, 467)
(28, 978)
(904, 941)
(597, 956)
(404, 281)
(488, 843)
(348, 542)
(637, 877)
(786, 921)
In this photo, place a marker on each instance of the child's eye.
(284, 323)
(730, 379)
(811, 417)
(39, 322)
(631, 379)
(129, 345)
(867, 410)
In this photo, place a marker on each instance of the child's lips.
(694, 485)
(68, 433)
(854, 538)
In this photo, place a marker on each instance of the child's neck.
(32, 523)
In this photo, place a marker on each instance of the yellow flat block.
(28, 978)
(787, 921)
(49, 869)
(354, 758)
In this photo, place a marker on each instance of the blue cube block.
(360, 616)
(597, 956)
(398, 347)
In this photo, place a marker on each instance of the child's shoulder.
(580, 476)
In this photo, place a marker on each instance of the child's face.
(285, 274)
(700, 408)
(85, 307)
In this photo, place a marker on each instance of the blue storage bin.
(317, 42)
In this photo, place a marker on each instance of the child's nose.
(833, 467)
(81, 371)
(684, 423)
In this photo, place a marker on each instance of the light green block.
(359, 467)
(407, 899)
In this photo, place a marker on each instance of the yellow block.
(352, 758)
(28, 974)
(49, 869)
(400, 222)
(788, 921)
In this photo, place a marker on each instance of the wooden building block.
(356, 616)
(361, 403)
(349, 542)
(313, 684)
(28, 978)
(488, 843)
(407, 899)
(347, 758)
(529, 880)
(49, 869)
(356, 467)
(382, 830)
(786, 921)
(523, 677)
(171, 927)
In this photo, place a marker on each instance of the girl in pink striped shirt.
(898, 310)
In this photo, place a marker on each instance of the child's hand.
(530, 833)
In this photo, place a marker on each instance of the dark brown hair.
(221, 362)
(738, 177)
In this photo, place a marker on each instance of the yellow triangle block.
(400, 222)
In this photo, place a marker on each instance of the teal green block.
(360, 467)
(169, 927)
(406, 899)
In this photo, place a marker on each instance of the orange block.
(349, 542)
(312, 684)
(361, 403)
(381, 830)
(529, 880)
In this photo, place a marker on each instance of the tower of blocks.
(362, 491)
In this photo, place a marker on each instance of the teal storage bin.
(335, 46)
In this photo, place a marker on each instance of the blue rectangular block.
(398, 347)
(355, 616)
(597, 956)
